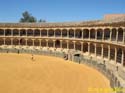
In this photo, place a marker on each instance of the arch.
(71, 33)
(64, 44)
(43, 43)
(8, 32)
(64, 33)
(8, 41)
(78, 33)
(51, 32)
(99, 33)
(98, 49)
(22, 41)
(119, 55)
(92, 33)
(15, 32)
(36, 32)
(114, 30)
(106, 34)
(112, 53)
(30, 42)
(120, 34)
(86, 33)
(36, 42)
(92, 48)
(15, 41)
(50, 43)
(1, 32)
(105, 50)
(71, 45)
(22, 32)
(57, 32)
(30, 32)
(1, 41)
(78, 46)
(85, 47)
(124, 59)
(43, 32)
(57, 43)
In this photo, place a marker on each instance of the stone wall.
(114, 16)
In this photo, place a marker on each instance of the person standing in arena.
(32, 57)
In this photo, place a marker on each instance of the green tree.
(42, 21)
(27, 18)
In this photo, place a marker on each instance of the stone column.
(11, 32)
(4, 32)
(26, 32)
(95, 34)
(46, 43)
(40, 42)
(11, 41)
(61, 32)
(67, 44)
(67, 33)
(89, 48)
(115, 55)
(95, 49)
(74, 43)
(40, 33)
(89, 34)
(54, 34)
(82, 34)
(103, 34)
(4, 41)
(33, 33)
(110, 35)
(54, 44)
(26, 42)
(102, 51)
(33, 41)
(117, 36)
(19, 41)
(82, 46)
(109, 52)
(60, 43)
(123, 36)
(47, 33)
(122, 57)
(19, 32)
(74, 33)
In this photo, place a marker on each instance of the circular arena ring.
(100, 45)
(19, 73)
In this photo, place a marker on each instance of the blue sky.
(60, 10)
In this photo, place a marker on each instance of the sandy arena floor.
(19, 74)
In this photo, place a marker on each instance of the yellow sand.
(19, 74)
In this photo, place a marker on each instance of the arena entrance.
(74, 56)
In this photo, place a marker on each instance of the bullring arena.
(75, 57)
(21, 75)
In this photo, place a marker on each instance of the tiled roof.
(67, 24)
